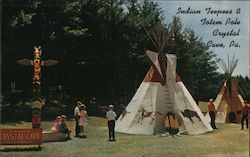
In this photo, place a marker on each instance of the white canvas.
(145, 113)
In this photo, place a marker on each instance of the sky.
(229, 26)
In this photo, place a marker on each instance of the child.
(111, 115)
(82, 120)
(63, 127)
(56, 124)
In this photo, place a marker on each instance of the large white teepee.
(159, 93)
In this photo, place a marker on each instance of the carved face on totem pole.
(37, 66)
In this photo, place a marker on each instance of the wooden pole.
(37, 63)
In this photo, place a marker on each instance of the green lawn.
(228, 141)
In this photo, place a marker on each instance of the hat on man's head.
(78, 102)
(211, 100)
(111, 106)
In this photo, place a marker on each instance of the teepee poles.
(228, 70)
(159, 37)
(230, 66)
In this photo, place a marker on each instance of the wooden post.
(37, 63)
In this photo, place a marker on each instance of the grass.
(228, 141)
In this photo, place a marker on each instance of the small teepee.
(229, 101)
(161, 93)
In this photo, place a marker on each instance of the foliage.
(14, 107)
(100, 48)
(244, 87)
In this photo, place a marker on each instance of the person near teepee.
(76, 115)
(212, 112)
(244, 115)
(111, 115)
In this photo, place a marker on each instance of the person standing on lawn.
(82, 121)
(76, 115)
(111, 115)
(212, 112)
(244, 115)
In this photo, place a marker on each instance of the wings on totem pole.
(25, 62)
(49, 62)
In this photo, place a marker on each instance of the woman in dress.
(82, 120)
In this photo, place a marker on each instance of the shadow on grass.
(14, 122)
(16, 149)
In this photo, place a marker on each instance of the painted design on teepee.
(157, 72)
(124, 113)
(146, 114)
(189, 114)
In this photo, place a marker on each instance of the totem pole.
(37, 63)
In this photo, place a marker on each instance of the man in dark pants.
(244, 115)
(111, 115)
(76, 115)
(211, 110)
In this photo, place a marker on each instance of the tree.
(100, 48)
(244, 87)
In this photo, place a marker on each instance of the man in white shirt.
(76, 115)
(111, 115)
